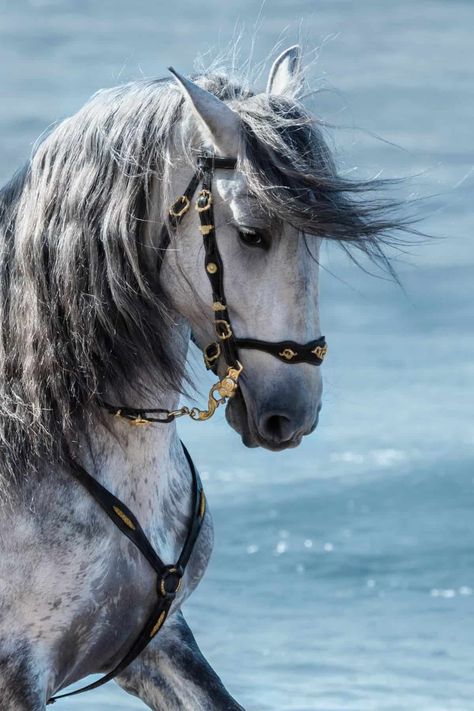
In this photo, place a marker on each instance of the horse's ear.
(220, 123)
(285, 75)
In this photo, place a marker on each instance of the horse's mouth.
(239, 418)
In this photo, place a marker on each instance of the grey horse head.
(81, 232)
(270, 265)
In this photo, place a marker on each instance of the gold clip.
(206, 229)
(228, 385)
(179, 413)
(218, 394)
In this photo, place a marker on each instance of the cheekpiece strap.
(213, 261)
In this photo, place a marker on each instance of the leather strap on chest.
(168, 577)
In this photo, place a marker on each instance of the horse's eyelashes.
(253, 238)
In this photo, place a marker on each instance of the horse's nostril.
(277, 428)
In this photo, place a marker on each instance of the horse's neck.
(134, 461)
(142, 465)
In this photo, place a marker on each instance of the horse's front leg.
(171, 674)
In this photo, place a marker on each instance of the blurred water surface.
(343, 572)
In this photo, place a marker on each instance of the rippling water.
(343, 573)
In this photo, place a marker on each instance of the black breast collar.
(169, 577)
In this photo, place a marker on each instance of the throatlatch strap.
(168, 576)
(138, 415)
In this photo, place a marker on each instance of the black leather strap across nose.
(228, 344)
(289, 351)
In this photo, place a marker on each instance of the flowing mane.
(81, 304)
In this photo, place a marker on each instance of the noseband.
(169, 577)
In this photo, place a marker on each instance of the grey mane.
(81, 304)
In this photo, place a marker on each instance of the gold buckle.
(184, 200)
(206, 229)
(209, 360)
(226, 330)
(208, 197)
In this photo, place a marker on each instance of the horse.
(103, 286)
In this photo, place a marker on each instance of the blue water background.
(343, 572)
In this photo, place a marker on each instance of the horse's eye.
(252, 238)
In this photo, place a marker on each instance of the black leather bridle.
(228, 344)
(169, 577)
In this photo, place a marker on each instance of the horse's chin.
(238, 417)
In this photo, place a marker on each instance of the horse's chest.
(120, 589)
(89, 591)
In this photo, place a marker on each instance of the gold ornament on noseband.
(288, 354)
(320, 351)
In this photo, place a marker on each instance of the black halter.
(169, 576)
(228, 344)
